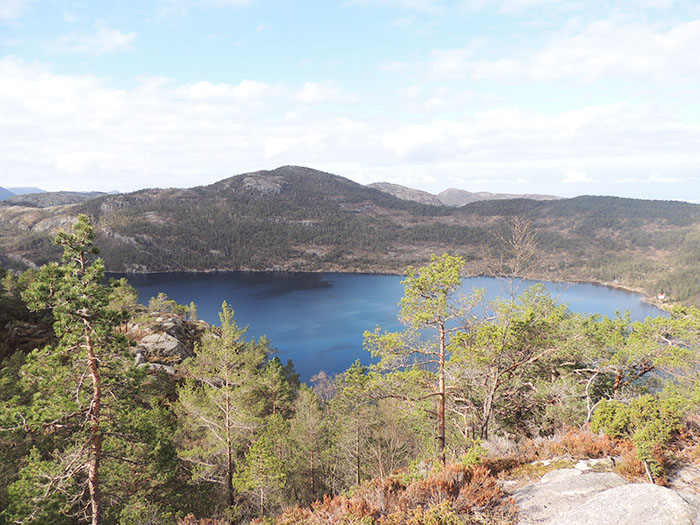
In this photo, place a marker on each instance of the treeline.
(89, 435)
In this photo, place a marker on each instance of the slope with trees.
(90, 434)
(300, 219)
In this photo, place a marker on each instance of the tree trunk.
(229, 455)
(441, 408)
(488, 409)
(357, 455)
(95, 437)
(311, 474)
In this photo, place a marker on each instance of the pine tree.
(308, 435)
(218, 405)
(262, 471)
(67, 381)
(429, 303)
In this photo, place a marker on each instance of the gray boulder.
(559, 491)
(161, 345)
(632, 504)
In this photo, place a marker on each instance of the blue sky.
(564, 97)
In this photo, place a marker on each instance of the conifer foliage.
(66, 383)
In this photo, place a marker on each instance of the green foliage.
(612, 417)
(474, 455)
(261, 470)
(648, 420)
(228, 390)
(79, 399)
(429, 292)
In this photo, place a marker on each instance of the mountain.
(5, 194)
(455, 197)
(25, 190)
(409, 194)
(299, 219)
(450, 197)
(52, 198)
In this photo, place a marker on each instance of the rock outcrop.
(635, 503)
(580, 496)
(164, 340)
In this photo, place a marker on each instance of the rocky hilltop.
(588, 493)
(451, 196)
(409, 194)
(455, 197)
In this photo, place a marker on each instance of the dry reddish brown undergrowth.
(453, 491)
(574, 443)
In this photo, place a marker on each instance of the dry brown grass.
(455, 494)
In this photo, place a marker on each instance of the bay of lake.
(317, 319)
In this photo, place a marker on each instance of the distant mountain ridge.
(300, 219)
(406, 193)
(456, 197)
(451, 196)
(25, 190)
(5, 194)
(46, 199)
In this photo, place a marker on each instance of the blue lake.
(317, 319)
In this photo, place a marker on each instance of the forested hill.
(300, 219)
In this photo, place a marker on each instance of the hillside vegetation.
(299, 219)
(125, 415)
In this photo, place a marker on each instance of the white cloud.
(101, 40)
(507, 6)
(602, 49)
(516, 7)
(577, 177)
(76, 131)
(316, 92)
(666, 180)
(11, 9)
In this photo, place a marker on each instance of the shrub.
(612, 417)
(649, 421)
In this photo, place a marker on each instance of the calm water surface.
(317, 319)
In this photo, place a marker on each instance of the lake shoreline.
(645, 295)
(318, 319)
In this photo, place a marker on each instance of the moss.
(539, 468)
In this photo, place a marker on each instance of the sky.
(562, 97)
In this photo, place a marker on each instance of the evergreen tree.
(429, 303)
(308, 437)
(74, 292)
(261, 471)
(92, 436)
(218, 405)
